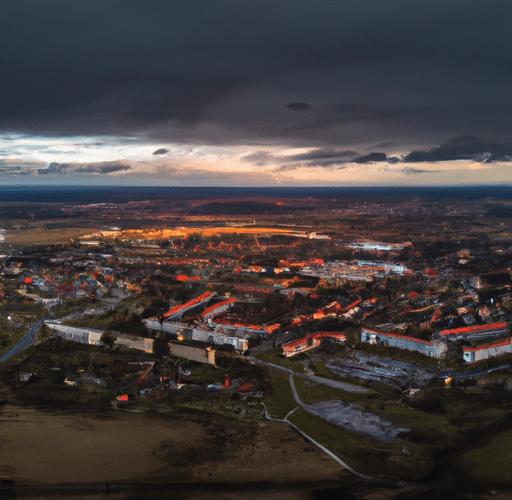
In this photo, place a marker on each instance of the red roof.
(219, 304)
(471, 329)
(272, 328)
(292, 345)
(192, 302)
(316, 336)
(490, 345)
(406, 337)
(337, 335)
(353, 304)
(224, 321)
(246, 387)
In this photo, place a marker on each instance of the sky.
(256, 93)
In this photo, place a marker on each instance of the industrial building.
(93, 337)
(488, 350)
(185, 333)
(497, 336)
(435, 349)
(477, 332)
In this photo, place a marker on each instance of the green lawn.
(273, 356)
(310, 393)
(282, 401)
(492, 462)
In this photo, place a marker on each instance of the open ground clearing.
(44, 448)
(43, 236)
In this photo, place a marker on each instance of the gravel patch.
(386, 370)
(348, 416)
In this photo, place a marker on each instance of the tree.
(352, 336)
(44, 332)
(108, 338)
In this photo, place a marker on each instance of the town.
(388, 313)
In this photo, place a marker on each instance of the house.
(310, 342)
(300, 345)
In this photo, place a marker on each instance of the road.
(24, 342)
(308, 408)
(319, 380)
(472, 373)
(337, 412)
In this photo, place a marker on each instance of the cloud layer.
(125, 65)
(297, 83)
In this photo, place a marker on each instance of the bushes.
(432, 404)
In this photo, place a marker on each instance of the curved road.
(472, 373)
(332, 383)
(24, 342)
(319, 380)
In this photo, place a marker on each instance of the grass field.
(440, 421)
(273, 356)
(281, 402)
(42, 236)
(492, 462)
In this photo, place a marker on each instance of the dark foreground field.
(124, 455)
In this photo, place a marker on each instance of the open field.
(206, 232)
(492, 461)
(42, 236)
(51, 449)
(450, 430)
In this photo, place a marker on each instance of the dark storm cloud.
(415, 171)
(103, 168)
(321, 155)
(315, 158)
(13, 171)
(161, 151)
(298, 106)
(260, 158)
(232, 72)
(88, 168)
(374, 158)
(465, 147)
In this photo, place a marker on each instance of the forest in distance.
(103, 194)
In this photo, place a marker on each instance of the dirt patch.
(55, 448)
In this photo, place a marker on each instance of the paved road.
(319, 380)
(472, 373)
(24, 342)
